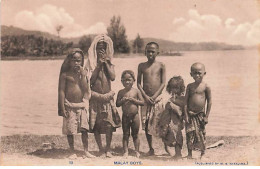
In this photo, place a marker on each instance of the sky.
(229, 21)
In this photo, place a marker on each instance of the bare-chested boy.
(130, 98)
(197, 95)
(73, 99)
(152, 76)
(101, 102)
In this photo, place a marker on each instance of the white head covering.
(91, 61)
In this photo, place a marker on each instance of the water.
(29, 91)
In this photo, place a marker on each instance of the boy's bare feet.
(189, 157)
(137, 154)
(150, 152)
(88, 155)
(177, 157)
(72, 156)
(125, 154)
(109, 155)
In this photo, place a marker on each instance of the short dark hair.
(176, 81)
(152, 43)
(130, 72)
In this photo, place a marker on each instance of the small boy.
(152, 76)
(197, 95)
(172, 118)
(130, 98)
(73, 99)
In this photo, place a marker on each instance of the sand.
(31, 150)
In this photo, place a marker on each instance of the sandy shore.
(29, 150)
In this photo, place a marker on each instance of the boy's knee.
(126, 136)
(135, 136)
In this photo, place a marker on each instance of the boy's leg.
(135, 130)
(126, 134)
(149, 140)
(98, 140)
(166, 149)
(70, 139)
(84, 138)
(189, 138)
(177, 155)
(109, 134)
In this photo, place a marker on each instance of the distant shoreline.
(121, 55)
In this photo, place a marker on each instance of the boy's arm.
(163, 79)
(95, 73)
(111, 70)
(84, 82)
(120, 100)
(139, 86)
(209, 102)
(62, 82)
(186, 104)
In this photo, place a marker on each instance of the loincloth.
(196, 131)
(102, 115)
(171, 124)
(151, 116)
(77, 120)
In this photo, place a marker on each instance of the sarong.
(195, 130)
(151, 116)
(77, 120)
(171, 124)
(103, 114)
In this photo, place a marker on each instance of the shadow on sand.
(117, 152)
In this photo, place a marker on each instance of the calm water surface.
(29, 91)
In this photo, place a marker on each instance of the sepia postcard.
(130, 83)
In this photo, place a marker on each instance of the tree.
(138, 44)
(58, 29)
(84, 43)
(116, 31)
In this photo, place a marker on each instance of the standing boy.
(152, 76)
(197, 95)
(130, 98)
(74, 93)
(101, 103)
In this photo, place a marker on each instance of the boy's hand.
(64, 114)
(125, 99)
(103, 56)
(82, 71)
(187, 120)
(149, 100)
(205, 120)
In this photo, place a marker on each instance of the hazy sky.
(230, 21)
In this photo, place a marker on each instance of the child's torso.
(102, 83)
(73, 91)
(197, 97)
(129, 108)
(152, 78)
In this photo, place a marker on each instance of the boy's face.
(198, 72)
(175, 90)
(127, 81)
(101, 49)
(76, 61)
(151, 52)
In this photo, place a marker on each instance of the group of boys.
(86, 101)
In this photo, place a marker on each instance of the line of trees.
(31, 45)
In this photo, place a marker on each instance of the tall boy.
(101, 103)
(152, 76)
(197, 95)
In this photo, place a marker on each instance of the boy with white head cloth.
(101, 103)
